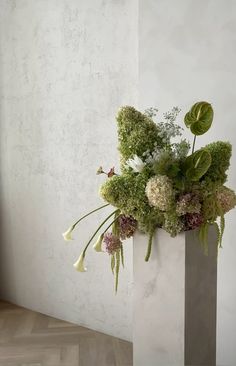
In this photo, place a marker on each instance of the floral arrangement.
(162, 184)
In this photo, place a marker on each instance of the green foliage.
(210, 208)
(166, 165)
(149, 247)
(137, 133)
(199, 118)
(218, 234)
(112, 263)
(203, 236)
(181, 149)
(197, 164)
(220, 161)
(122, 256)
(115, 225)
(117, 269)
(203, 233)
(222, 229)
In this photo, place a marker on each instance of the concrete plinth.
(175, 301)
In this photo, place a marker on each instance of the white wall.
(65, 68)
(187, 53)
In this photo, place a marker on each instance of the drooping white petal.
(98, 245)
(79, 264)
(67, 234)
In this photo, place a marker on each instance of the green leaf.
(117, 269)
(122, 256)
(112, 263)
(218, 235)
(197, 164)
(199, 118)
(149, 247)
(222, 228)
(203, 237)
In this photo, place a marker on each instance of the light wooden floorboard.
(28, 338)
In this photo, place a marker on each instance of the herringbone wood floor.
(28, 338)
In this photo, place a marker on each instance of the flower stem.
(92, 237)
(194, 141)
(149, 248)
(111, 223)
(89, 213)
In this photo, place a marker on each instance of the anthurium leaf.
(199, 118)
(197, 164)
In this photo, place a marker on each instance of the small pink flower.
(111, 172)
(127, 226)
(112, 243)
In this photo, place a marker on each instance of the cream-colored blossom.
(159, 192)
(136, 164)
(98, 245)
(67, 234)
(79, 264)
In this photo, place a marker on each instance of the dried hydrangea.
(127, 226)
(226, 198)
(173, 224)
(112, 243)
(159, 192)
(193, 221)
(188, 203)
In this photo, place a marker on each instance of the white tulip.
(67, 234)
(136, 164)
(79, 264)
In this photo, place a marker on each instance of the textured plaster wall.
(188, 52)
(65, 68)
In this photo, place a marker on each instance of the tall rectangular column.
(175, 301)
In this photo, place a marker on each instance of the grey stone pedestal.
(175, 301)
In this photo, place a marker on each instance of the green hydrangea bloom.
(137, 133)
(220, 154)
(167, 164)
(127, 192)
(173, 224)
